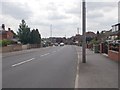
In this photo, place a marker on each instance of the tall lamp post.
(84, 31)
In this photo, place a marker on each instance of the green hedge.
(5, 42)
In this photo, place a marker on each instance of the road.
(51, 67)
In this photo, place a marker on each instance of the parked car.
(118, 41)
(61, 44)
(56, 44)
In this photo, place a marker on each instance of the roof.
(116, 24)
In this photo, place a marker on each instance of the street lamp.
(84, 31)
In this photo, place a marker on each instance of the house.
(115, 32)
(6, 34)
(90, 34)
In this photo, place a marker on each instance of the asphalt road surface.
(51, 67)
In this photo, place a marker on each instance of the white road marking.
(23, 62)
(54, 51)
(45, 54)
(77, 74)
(76, 81)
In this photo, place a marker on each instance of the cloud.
(51, 6)
(16, 10)
(56, 16)
(64, 15)
(95, 14)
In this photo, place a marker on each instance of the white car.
(61, 44)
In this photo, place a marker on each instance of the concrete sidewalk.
(98, 72)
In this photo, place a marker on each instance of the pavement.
(58, 67)
(98, 71)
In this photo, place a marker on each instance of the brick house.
(6, 34)
(115, 32)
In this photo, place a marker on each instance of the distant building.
(5, 34)
(78, 39)
(90, 34)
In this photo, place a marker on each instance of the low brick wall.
(114, 55)
(6, 49)
(25, 47)
(11, 48)
(34, 46)
(17, 47)
(89, 46)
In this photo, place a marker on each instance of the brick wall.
(113, 55)
(11, 48)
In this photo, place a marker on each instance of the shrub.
(5, 42)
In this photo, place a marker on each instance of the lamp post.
(84, 31)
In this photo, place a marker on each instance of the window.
(116, 28)
(113, 29)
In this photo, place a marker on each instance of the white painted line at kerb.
(76, 81)
(23, 62)
(77, 74)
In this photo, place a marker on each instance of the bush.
(5, 42)
(94, 42)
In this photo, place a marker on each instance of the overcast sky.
(64, 15)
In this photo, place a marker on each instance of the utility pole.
(77, 30)
(84, 31)
(119, 12)
(51, 32)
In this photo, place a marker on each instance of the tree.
(24, 33)
(35, 37)
(38, 37)
(97, 36)
(14, 34)
(98, 33)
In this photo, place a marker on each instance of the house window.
(116, 28)
(113, 29)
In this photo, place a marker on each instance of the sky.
(64, 15)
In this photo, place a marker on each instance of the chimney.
(3, 26)
(9, 29)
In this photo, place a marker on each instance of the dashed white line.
(45, 54)
(54, 51)
(23, 62)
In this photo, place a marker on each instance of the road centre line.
(54, 51)
(45, 54)
(23, 62)
(30, 59)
